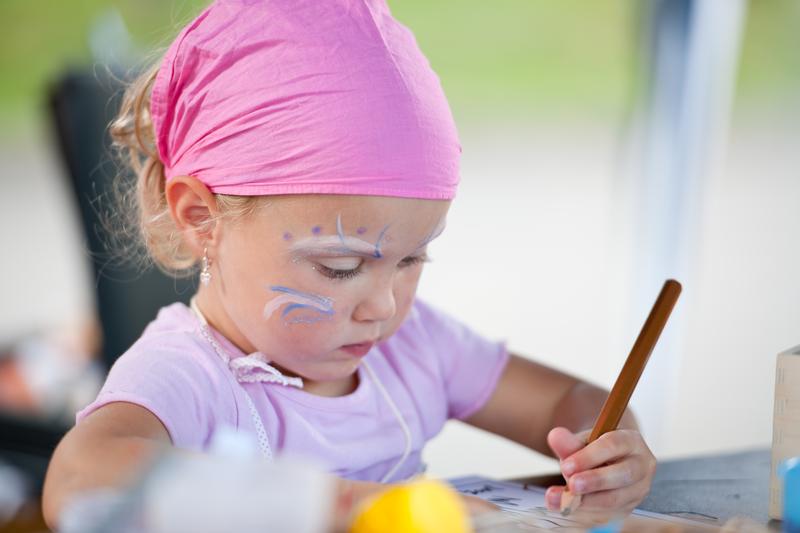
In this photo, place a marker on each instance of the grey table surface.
(720, 486)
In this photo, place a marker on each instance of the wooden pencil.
(617, 401)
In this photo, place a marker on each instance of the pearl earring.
(205, 273)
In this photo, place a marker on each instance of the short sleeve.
(470, 364)
(184, 390)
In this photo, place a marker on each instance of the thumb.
(564, 443)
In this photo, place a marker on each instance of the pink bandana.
(260, 97)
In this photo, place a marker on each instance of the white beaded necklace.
(251, 369)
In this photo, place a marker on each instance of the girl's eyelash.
(334, 273)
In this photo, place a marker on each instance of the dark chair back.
(82, 105)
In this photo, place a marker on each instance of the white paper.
(524, 507)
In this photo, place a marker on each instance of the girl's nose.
(377, 306)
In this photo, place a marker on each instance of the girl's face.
(313, 282)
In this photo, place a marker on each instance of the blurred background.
(608, 145)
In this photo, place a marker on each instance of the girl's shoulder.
(438, 340)
(436, 328)
(433, 345)
(174, 337)
(171, 371)
(172, 346)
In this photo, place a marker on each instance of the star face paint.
(304, 308)
(378, 253)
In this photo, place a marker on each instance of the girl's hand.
(613, 474)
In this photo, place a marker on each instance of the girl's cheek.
(407, 288)
(305, 343)
(299, 340)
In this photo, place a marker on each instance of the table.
(718, 486)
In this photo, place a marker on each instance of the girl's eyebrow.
(334, 245)
(340, 244)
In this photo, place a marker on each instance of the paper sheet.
(524, 509)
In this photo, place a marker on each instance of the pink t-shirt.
(433, 368)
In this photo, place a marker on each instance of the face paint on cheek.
(304, 308)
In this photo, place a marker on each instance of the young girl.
(302, 155)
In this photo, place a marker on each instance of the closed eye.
(350, 273)
(336, 273)
(339, 267)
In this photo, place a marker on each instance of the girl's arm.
(113, 445)
(107, 449)
(535, 405)
(531, 399)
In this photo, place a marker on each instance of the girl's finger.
(564, 443)
(552, 497)
(628, 471)
(607, 448)
(624, 499)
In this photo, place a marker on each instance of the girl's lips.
(359, 350)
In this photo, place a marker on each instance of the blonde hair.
(142, 228)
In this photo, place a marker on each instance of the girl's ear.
(194, 209)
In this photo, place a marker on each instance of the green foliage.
(503, 57)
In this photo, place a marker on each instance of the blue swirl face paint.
(315, 308)
(378, 242)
